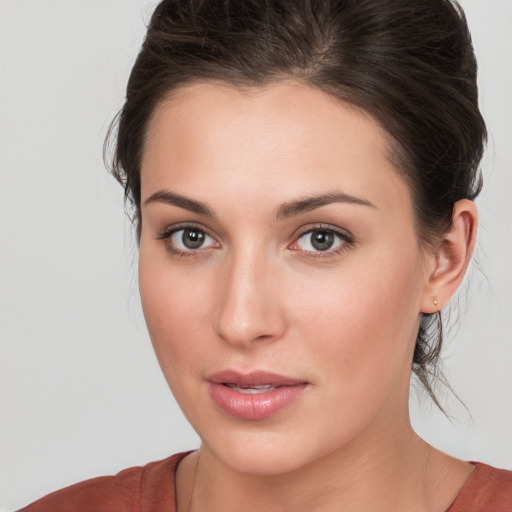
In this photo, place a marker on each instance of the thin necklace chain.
(190, 499)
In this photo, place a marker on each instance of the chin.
(263, 452)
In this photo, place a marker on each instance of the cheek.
(176, 307)
(363, 321)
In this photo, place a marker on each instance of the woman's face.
(280, 273)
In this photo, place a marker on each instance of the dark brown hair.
(409, 63)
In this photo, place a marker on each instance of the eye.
(322, 240)
(187, 240)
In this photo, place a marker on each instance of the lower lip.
(254, 406)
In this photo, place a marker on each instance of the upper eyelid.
(323, 227)
(169, 230)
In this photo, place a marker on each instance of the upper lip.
(254, 378)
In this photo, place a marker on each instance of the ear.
(448, 262)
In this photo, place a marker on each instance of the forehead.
(284, 137)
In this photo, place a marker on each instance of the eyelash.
(347, 241)
(166, 235)
(345, 238)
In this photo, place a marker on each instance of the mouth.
(251, 390)
(255, 395)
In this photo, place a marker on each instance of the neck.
(400, 472)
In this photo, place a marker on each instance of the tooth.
(251, 390)
(254, 391)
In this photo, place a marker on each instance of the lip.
(226, 387)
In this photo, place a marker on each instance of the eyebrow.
(167, 197)
(289, 209)
(307, 204)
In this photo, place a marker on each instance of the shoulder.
(149, 487)
(488, 489)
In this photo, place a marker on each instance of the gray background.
(81, 391)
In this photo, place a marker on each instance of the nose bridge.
(249, 308)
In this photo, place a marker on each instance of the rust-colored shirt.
(151, 489)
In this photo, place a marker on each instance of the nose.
(249, 308)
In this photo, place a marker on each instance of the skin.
(258, 295)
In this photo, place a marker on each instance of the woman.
(302, 175)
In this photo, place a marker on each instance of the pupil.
(322, 240)
(192, 238)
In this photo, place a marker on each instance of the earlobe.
(451, 258)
